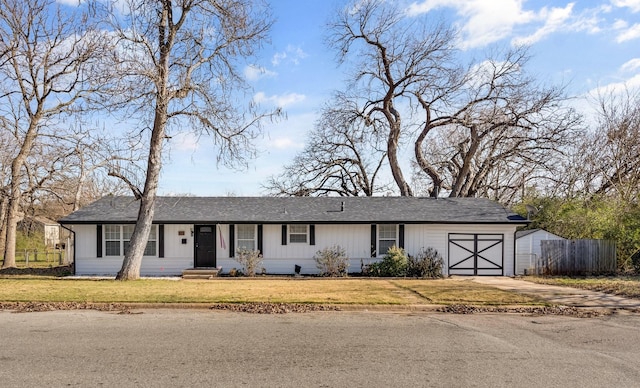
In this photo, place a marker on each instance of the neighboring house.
(528, 248)
(49, 228)
(474, 236)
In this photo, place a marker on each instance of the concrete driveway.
(566, 296)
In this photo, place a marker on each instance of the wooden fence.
(577, 257)
(35, 258)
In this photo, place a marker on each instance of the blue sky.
(588, 45)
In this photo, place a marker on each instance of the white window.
(246, 237)
(298, 233)
(117, 240)
(112, 240)
(387, 237)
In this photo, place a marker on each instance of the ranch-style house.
(474, 236)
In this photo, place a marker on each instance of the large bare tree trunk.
(392, 154)
(186, 65)
(15, 194)
(133, 257)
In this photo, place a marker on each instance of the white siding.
(282, 259)
(178, 256)
(436, 236)
(85, 241)
(278, 258)
(529, 248)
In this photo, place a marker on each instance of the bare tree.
(46, 55)
(177, 67)
(471, 126)
(607, 161)
(343, 156)
(500, 122)
(392, 57)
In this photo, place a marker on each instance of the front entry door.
(205, 245)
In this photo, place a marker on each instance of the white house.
(474, 236)
(529, 249)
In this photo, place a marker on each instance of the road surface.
(198, 348)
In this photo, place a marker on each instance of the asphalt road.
(192, 348)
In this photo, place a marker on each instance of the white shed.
(528, 247)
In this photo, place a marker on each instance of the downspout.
(514, 254)
(74, 247)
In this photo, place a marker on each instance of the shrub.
(332, 261)
(426, 264)
(635, 262)
(393, 264)
(251, 261)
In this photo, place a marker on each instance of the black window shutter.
(161, 240)
(373, 241)
(284, 234)
(232, 240)
(401, 236)
(312, 235)
(98, 240)
(260, 238)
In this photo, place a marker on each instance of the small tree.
(332, 261)
(426, 264)
(250, 260)
(394, 263)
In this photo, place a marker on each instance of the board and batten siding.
(178, 256)
(282, 259)
(356, 240)
(436, 236)
(279, 258)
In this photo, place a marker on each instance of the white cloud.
(285, 143)
(254, 72)
(185, 141)
(554, 19)
(630, 33)
(279, 100)
(634, 5)
(73, 3)
(484, 22)
(616, 88)
(292, 54)
(620, 24)
(630, 66)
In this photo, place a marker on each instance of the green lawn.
(225, 290)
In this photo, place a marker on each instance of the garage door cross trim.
(476, 254)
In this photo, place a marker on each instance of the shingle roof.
(277, 210)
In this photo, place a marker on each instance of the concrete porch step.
(200, 273)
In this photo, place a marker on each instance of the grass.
(318, 291)
(627, 286)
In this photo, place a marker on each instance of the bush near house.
(426, 264)
(394, 264)
(251, 261)
(332, 261)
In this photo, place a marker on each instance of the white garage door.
(476, 254)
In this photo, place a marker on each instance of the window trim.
(290, 233)
(380, 238)
(254, 239)
(122, 240)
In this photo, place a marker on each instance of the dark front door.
(205, 241)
